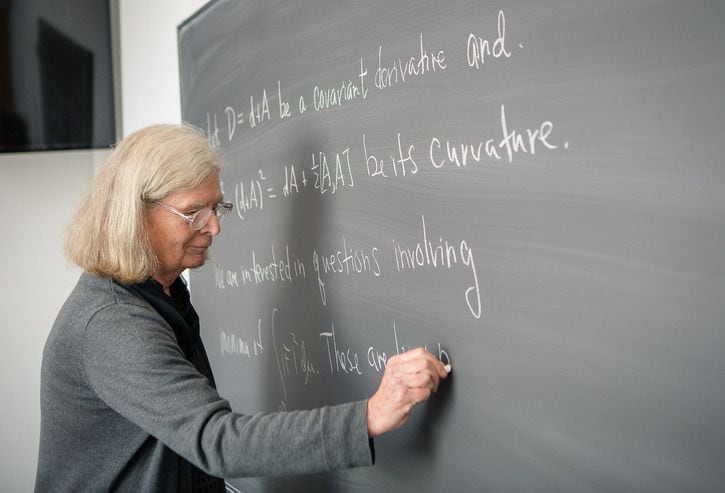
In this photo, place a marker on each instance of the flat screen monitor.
(56, 75)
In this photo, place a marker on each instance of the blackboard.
(535, 191)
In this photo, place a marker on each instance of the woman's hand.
(409, 378)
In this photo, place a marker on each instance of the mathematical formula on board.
(366, 159)
(478, 52)
(331, 172)
(298, 365)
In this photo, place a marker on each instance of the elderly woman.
(128, 400)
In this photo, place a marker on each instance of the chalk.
(448, 368)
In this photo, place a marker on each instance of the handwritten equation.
(300, 361)
(501, 136)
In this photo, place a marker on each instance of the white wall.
(149, 60)
(38, 193)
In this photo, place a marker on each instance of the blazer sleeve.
(134, 364)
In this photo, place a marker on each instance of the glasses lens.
(201, 219)
(223, 209)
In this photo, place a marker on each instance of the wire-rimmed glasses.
(200, 218)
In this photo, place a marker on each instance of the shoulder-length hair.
(107, 236)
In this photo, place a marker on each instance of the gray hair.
(107, 236)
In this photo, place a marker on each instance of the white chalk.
(448, 368)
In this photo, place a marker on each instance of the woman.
(127, 395)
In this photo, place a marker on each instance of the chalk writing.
(225, 278)
(403, 163)
(259, 110)
(291, 355)
(212, 130)
(234, 118)
(425, 62)
(378, 358)
(276, 269)
(441, 254)
(302, 354)
(479, 48)
(345, 92)
(341, 359)
(348, 260)
(250, 194)
(291, 182)
(330, 180)
(284, 107)
(236, 345)
(511, 143)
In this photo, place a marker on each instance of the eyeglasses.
(200, 218)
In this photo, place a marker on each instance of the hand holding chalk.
(410, 378)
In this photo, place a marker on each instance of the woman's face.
(176, 245)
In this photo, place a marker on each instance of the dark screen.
(56, 82)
